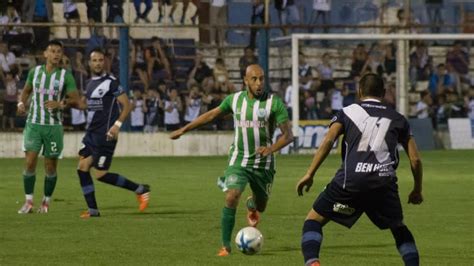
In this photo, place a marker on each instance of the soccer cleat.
(26, 208)
(144, 198)
(223, 252)
(253, 218)
(315, 263)
(87, 214)
(44, 207)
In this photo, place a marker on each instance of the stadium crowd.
(161, 101)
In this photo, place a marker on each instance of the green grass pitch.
(182, 224)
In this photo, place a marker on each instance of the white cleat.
(26, 208)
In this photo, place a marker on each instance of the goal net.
(325, 69)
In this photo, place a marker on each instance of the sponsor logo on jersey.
(372, 167)
(248, 123)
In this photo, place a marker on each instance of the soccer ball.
(249, 240)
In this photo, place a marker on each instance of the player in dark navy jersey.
(108, 106)
(366, 181)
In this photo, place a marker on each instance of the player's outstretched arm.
(411, 149)
(322, 152)
(200, 121)
(285, 139)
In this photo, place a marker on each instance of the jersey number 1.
(373, 134)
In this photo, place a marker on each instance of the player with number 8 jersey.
(48, 84)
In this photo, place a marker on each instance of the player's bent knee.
(313, 215)
(98, 174)
(232, 198)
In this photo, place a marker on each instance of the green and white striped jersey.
(48, 87)
(255, 121)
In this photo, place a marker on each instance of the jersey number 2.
(373, 134)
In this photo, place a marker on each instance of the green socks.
(227, 223)
(49, 185)
(29, 183)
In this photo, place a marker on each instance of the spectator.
(78, 119)
(390, 62)
(349, 93)
(94, 13)
(359, 58)
(324, 110)
(158, 66)
(458, 58)
(39, 11)
(112, 61)
(199, 73)
(153, 115)
(433, 8)
(162, 3)
(79, 70)
(193, 105)
(309, 106)
(137, 116)
(288, 99)
(9, 102)
(406, 21)
(420, 64)
(287, 14)
(139, 66)
(337, 97)
(440, 81)
(71, 14)
(424, 105)
(8, 14)
(7, 58)
(185, 9)
(247, 59)
(305, 72)
(218, 17)
(114, 15)
(197, 3)
(375, 62)
(390, 94)
(138, 6)
(321, 8)
(173, 107)
(221, 77)
(258, 17)
(325, 73)
(97, 40)
(441, 115)
(470, 106)
(454, 106)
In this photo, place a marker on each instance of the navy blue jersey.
(102, 106)
(372, 132)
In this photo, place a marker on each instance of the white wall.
(136, 144)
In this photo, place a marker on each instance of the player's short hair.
(55, 43)
(372, 84)
(97, 50)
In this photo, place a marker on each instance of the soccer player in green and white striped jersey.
(48, 85)
(256, 115)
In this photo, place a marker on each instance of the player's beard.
(98, 74)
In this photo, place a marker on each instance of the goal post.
(402, 62)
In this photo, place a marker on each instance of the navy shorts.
(72, 15)
(99, 148)
(95, 13)
(382, 205)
